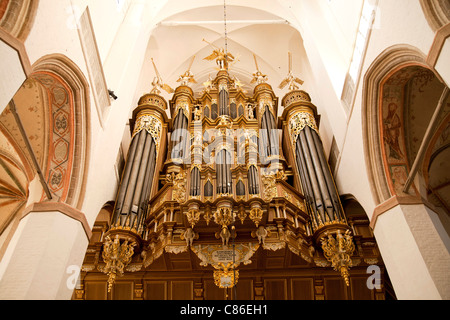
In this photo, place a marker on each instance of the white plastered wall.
(411, 29)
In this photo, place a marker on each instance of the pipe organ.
(223, 178)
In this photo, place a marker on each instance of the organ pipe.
(328, 220)
(137, 179)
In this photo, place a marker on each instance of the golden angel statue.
(290, 79)
(188, 76)
(258, 76)
(158, 83)
(222, 58)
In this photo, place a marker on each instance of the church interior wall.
(122, 36)
(387, 31)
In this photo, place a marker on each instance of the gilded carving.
(270, 188)
(193, 216)
(226, 276)
(152, 125)
(117, 256)
(338, 251)
(224, 216)
(256, 215)
(299, 121)
(179, 186)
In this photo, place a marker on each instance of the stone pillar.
(44, 256)
(414, 247)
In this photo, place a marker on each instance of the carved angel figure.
(189, 235)
(186, 78)
(209, 85)
(261, 234)
(292, 81)
(222, 58)
(225, 234)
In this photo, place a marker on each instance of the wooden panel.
(302, 289)
(181, 264)
(213, 292)
(363, 230)
(275, 289)
(95, 290)
(244, 290)
(274, 263)
(182, 290)
(335, 289)
(360, 290)
(122, 291)
(297, 261)
(155, 290)
(96, 236)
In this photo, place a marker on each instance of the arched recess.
(390, 61)
(69, 134)
(17, 17)
(437, 12)
(53, 107)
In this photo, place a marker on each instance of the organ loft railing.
(230, 185)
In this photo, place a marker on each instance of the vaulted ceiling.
(182, 31)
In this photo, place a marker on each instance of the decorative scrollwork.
(179, 186)
(152, 125)
(338, 251)
(225, 277)
(193, 216)
(270, 188)
(117, 256)
(256, 215)
(299, 121)
(224, 216)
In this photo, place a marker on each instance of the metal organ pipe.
(195, 182)
(329, 179)
(272, 133)
(312, 174)
(180, 142)
(133, 177)
(223, 103)
(319, 173)
(269, 132)
(253, 181)
(148, 182)
(140, 178)
(265, 136)
(125, 179)
(304, 178)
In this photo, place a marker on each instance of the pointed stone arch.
(69, 137)
(437, 12)
(17, 17)
(387, 63)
